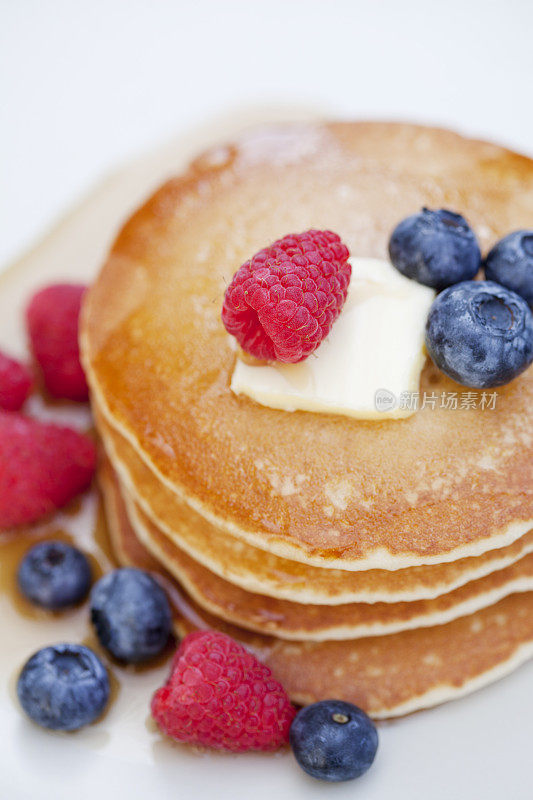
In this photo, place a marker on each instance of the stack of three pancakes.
(387, 563)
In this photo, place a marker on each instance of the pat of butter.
(373, 355)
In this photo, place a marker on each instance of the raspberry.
(281, 304)
(42, 467)
(15, 383)
(52, 318)
(219, 695)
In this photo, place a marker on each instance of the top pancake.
(325, 490)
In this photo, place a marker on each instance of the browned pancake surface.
(441, 484)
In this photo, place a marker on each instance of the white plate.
(478, 747)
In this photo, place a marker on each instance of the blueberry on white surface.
(510, 262)
(131, 614)
(63, 687)
(333, 740)
(437, 248)
(480, 334)
(54, 575)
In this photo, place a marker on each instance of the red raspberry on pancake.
(281, 304)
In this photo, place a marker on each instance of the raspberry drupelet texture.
(52, 318)
(15, 383)
(42, 467)
(219, 695)
(281, 304)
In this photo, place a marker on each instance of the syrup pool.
(25, 628)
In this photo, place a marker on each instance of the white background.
(84, 86)
(87, 84)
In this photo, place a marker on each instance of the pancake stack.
(388, 563)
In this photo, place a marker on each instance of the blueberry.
(480, 334)
(333, 740)
(510, 262)
(436, 248)
(131, 614)
(54, 575)
(63, 687)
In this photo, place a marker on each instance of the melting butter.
(371, 359)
